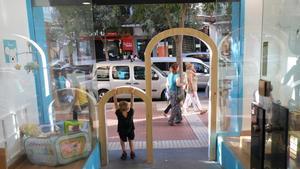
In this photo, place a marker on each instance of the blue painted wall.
(37, 33)
(94, 161)
(226, 156)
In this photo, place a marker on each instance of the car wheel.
(101, 93)
(164, 95)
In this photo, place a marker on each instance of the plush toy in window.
(30, 130)
(30, 66)
(18, 67)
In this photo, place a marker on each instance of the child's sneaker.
(171, 123)
(124, 156)
(132, 155)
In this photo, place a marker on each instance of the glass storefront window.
(120, 72)
(52, 74)
(102, 73)
(280, 66)
(47, 52)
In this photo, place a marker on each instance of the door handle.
(136, 83)
(128, 83)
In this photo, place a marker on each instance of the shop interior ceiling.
(115, 2)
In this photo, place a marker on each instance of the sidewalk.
(184, 146)
(161, 129)
(191, 133)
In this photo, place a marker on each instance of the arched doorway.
(102, 120)
(213, 76)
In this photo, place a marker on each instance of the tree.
(67, 24)
(221, 8)
(160, 17)
(76, 21)
(90, 21)
(106, 18)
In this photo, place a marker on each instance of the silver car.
(110, 74)
(202, 70)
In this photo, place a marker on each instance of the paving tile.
(161, 129)
(184, 158)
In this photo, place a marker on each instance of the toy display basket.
(58, 149)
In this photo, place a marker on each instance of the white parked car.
(110, 74)
(203, 56)
(202, 69)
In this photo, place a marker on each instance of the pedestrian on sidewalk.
(192, 88)
(174, 88)
(125, 113)
(81, 101)
(166, 111)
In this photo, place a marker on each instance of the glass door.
(280, 64)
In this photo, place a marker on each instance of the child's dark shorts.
(127, 136)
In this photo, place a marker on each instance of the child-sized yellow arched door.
(213, 75)
(102, 120)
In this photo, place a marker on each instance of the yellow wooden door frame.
(3, 158)
(213, 75)
(102, 120)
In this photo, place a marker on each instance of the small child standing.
(125, 113)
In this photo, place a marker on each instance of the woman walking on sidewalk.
(166, 111)
(174, 89)
(192, 87)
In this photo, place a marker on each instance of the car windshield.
(160, 71)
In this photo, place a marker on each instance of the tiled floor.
(75, 165)
(186, 158)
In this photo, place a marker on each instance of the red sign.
(111, 34)
(127, 43)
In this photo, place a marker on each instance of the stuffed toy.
(30, 130)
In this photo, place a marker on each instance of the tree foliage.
(107, 18)
(220, 8)
(76, 20)
(159, 17)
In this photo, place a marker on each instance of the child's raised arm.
(115, 100)
(131, 98)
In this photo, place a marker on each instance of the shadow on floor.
(186, 158)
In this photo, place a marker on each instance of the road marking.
(164, 144)
(199, 129)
